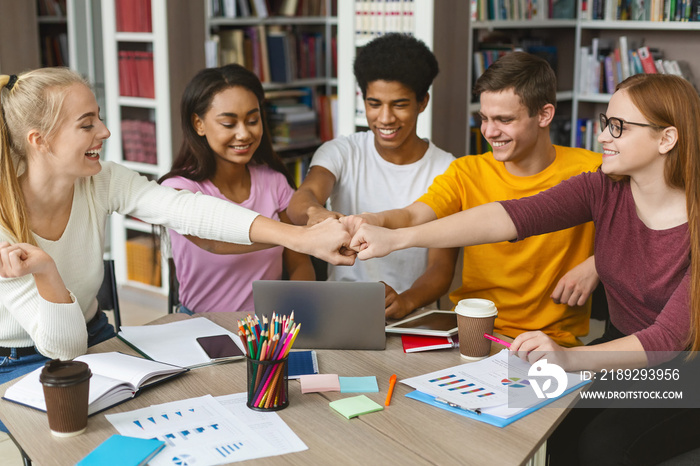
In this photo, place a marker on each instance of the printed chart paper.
(498, 385)
(201, 431)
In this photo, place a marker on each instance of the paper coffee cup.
(475, 317)
(66, 389)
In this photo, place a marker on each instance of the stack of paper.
(497, 390)
(209, 431)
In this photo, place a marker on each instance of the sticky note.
(319, 383)
(355, 406)
(358, 384)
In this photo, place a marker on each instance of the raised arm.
(307, 206)
(487, 223)
(415, 214)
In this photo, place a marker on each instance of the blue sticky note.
(358, 384)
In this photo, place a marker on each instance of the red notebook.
(415, 343)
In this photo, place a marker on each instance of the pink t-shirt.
(223, 283)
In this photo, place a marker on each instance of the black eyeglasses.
(617, 126)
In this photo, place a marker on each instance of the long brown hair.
(196, 160)
(34, 101)
(668, 100)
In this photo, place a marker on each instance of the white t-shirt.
(365, 182)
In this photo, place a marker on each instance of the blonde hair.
(35, 102)
(667, 100)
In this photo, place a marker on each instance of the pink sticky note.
(319, 383)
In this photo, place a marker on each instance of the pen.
(392, 382)
(455, 405)
(497, 340)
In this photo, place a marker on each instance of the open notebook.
(116, 377)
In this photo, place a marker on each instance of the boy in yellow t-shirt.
(542, 283)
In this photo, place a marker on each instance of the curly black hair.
(396, 57)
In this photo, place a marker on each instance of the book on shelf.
(645, 56)
(374, 18)
(136, 74)
(266, 8)
(116, 377)
(417, 343)
(133, 15)
(139, 141)
(52, 8)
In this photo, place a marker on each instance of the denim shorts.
(99, 329)
(183, 310)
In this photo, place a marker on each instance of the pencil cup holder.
(267, 384)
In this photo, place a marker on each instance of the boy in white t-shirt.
(387, 167)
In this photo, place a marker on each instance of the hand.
(533, 346)
(18, 260)
(319, 214)
(330, 241)
(354, 222)
(371, 241)
(577, 284)
(395, 306)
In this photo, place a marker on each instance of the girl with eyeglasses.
(644, 201)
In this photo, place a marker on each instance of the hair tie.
(11, 83)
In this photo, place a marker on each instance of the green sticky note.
(355, 406)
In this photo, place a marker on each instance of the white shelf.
(641, 25)
(275, 20)
(134, 36)
(525, 24)
(139, 102)
(141, 167)
(595, 98)
(157, 42)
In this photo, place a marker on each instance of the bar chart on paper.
(459, 385)
(196, 431)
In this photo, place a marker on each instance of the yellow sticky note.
(355, 406)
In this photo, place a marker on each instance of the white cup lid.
(476, 307)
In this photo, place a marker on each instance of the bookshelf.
(672, 40)
(291, 46)
(148, 58)
(676, 39)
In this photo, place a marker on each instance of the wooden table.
(406, 432)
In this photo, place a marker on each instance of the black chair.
(173, 288)
(107, 297)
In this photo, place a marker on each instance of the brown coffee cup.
(474, 318)
(66, 389)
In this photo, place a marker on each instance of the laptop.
(333, 315)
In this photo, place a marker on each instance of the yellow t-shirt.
(519, 277)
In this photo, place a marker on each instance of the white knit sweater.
(58, 330)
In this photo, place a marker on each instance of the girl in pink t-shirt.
(227, 153)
